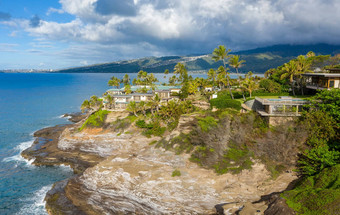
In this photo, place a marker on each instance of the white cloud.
(159, 27)
(54, 10)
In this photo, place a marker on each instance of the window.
(331, 84)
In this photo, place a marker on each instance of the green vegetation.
(223, 102)
(207, 123)
(95, 120)
(153, 128)
(176, 173)
(319, 194)
(234, 160)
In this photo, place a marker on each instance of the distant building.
(321, 81)
(139, 94)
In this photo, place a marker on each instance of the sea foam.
(18, 158)
(35, 203)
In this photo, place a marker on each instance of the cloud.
(54, 10)
(5, 16)
(8, 47)
(116, 7)
(110, 30)
(35, 21)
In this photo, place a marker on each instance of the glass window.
(331, 84)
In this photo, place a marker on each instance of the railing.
(281, 101)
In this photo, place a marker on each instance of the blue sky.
(51, 34)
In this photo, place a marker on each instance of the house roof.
(330, 75)
(142, 94)
(122, 96)
(134, 88)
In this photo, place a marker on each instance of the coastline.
(71, 195)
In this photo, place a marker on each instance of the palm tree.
(221, 75)
(291, 71)
(235, 62)
(109, 99)
(250, 84)
(85, 106)
(114, 82)
(132, 107)
(269, 72)
(127, 89)
(183, 78)
(221, 53)
(150, 79)
(126, 80)
(182, 71)
(303, 66)
(166, 72)
(154, 104)
(212, 76)
(142, 107)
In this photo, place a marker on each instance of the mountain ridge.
(257, 60)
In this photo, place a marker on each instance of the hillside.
(257, 60)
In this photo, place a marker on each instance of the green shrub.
(153, 128)
(121, 124)
(95, 120)
(176, 173)
(234, 160)
(222, 102)
(207, 123)
(142, 124)
(313, 161)
(178, 144)
(319, 194)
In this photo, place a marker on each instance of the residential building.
(280, 110)
(139, 94)
(320, 81)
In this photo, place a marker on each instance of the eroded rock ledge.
(121, 173)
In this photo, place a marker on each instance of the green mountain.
(257, 60)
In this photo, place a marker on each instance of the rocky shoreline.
(121, 173)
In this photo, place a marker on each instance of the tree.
(183, 78)
(290, 71)
(142, 107)
(303, 66)
(150, 79)
(212, 76)
(85, 106)
(235, 62)
(114, 82)
(221, 75)
(154, 104)
(250, 84)
(221, 53)
(181, 70)
(126, 80)
(109, 99)
(127, 89)
(132, 107)
(172, 80)
(166, 72)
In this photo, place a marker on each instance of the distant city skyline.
(55, 34)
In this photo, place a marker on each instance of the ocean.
(29, 102)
